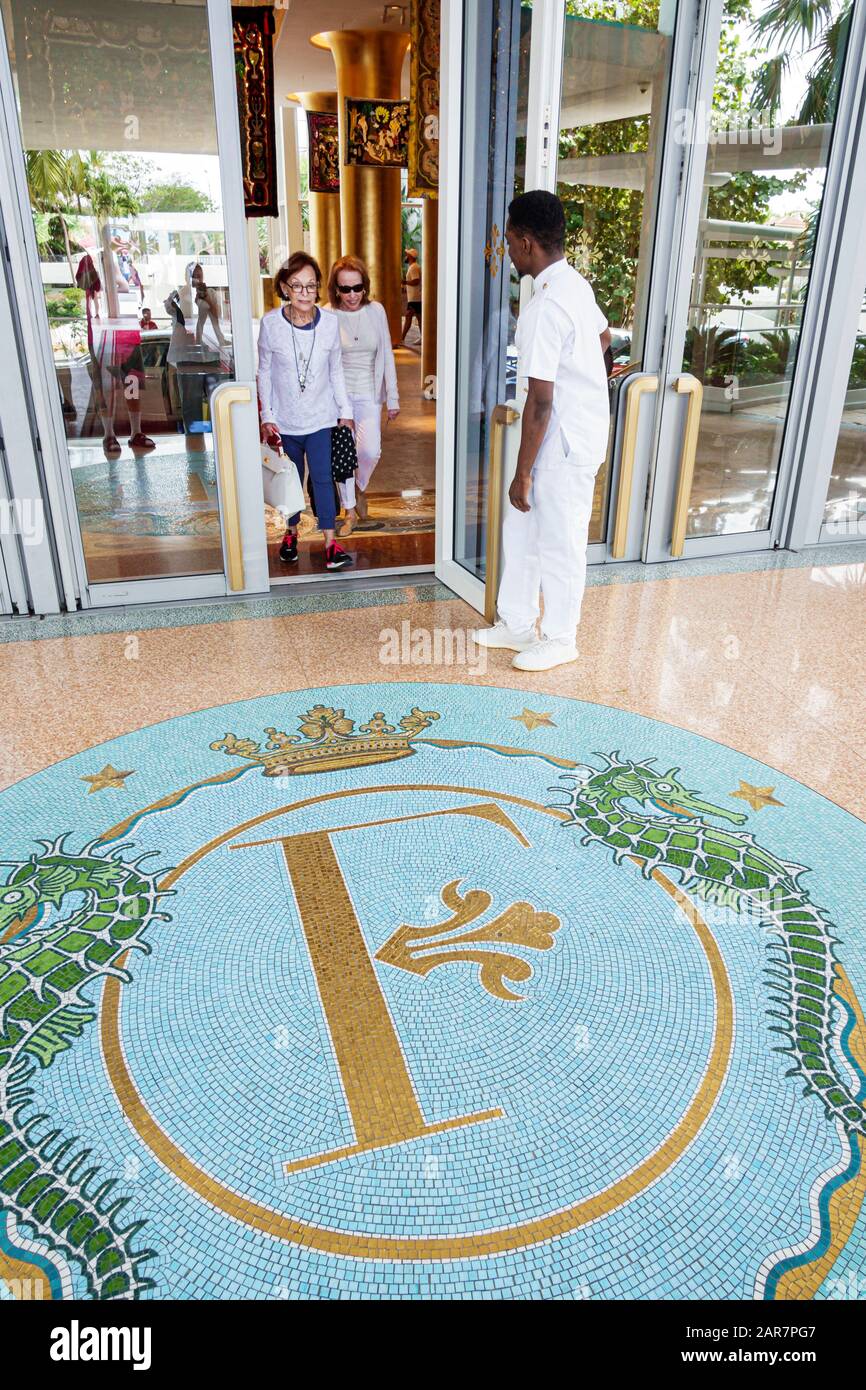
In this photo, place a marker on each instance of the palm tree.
(61, 181)
(802, 26)
(50, 181)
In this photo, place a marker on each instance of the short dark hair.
(539, 214)
(296, 262)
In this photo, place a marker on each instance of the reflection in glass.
(616, 61)
(845, 510)
(769, 138)
(117, 119)
(495, 89)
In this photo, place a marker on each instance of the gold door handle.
(501, 417)
(686, 385)
(638, 389)
(222, 400)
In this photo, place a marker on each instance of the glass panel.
(845, 511)
(769, 135)
(495, 95)
(117, 118)
(616, 67)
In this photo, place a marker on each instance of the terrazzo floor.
(442, 980)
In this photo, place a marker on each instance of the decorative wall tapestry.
(377, 133)
(254, 69)
(324, 143)
(424, 117)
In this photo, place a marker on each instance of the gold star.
(532, 719)
(108, 777)
(757, 797)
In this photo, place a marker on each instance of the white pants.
(368, 437)
(544, 549)
(368, 442)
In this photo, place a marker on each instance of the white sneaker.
(541, 656)
(500, 635)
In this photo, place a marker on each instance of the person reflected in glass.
(208, 307)
(370, 372)
(302, 394)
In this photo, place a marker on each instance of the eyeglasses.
(350, 289)
(298, 288)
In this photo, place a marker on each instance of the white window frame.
(842, 247)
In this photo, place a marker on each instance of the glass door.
(579, 97)
(756, 150)
(495, 92)
(618, 182)
(134, 267)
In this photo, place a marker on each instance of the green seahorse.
(635, 810)
(47, 969)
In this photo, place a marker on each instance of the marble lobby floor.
(771, 663)
(326, 1070)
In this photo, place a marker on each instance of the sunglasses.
(350, 289)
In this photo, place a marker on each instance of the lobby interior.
(360, 963)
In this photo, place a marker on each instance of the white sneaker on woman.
(500, 635)
(544, 655)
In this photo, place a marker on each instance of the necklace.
(355, 315)
(304, 362)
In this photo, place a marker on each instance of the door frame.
(247, 524)
(835, 334)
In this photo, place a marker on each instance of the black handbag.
(344, 455)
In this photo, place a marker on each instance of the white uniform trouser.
(544, 549)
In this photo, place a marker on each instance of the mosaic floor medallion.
(409, 990)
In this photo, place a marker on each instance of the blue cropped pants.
(316, 448)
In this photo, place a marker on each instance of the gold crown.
(327, 741)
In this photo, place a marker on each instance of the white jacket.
(385, 368)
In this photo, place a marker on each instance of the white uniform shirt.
(558, 340)
(325, 399)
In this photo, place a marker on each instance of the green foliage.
(66, 182)
(644, 13)
(717, 355)
(174, 195)
(745, 198)
(66, 303)
(798, 27)
(411, 229)
(603, 225)
(602, 236)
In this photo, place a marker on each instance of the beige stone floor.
(771, 663)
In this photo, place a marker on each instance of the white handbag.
(282, 485)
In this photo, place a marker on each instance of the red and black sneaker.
(336, 557)
(289, 547)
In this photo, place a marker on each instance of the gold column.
(369, 65)
(324, 208)
(429, 281)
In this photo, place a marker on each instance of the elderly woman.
(369, 369)
(302, 394)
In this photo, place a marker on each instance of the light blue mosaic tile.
(585, 1043)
